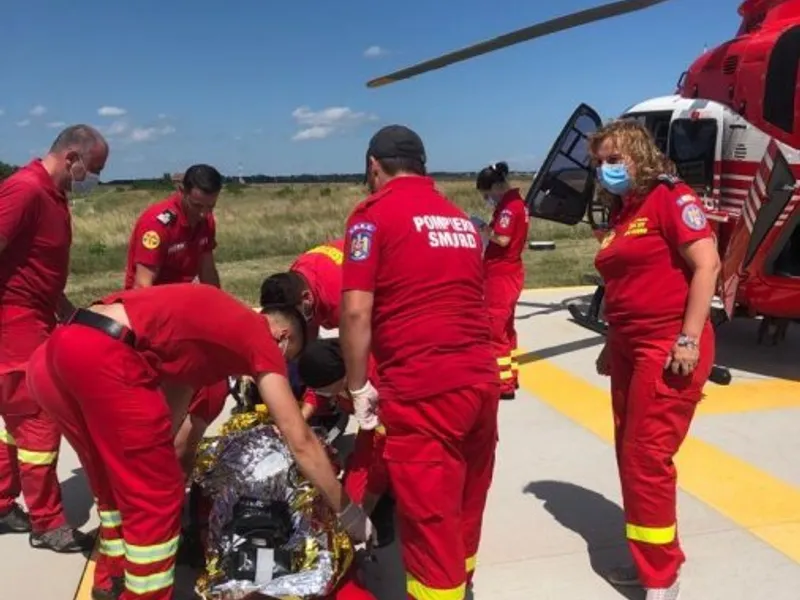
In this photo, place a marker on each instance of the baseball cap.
(396, 141)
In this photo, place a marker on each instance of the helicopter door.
(770, 193)
(564, 186)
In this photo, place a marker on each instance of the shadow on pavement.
(77, 498)
(560, 349)
(599, 521)
(737, 348)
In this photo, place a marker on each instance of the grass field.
(262, 228)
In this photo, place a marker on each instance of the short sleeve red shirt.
(163, 240)
(421, 257)
(36, 224)
(510, 218)
(321, 267)
(197, 334)
(646, 279)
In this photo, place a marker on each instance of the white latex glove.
(357, 524)
(365, 406)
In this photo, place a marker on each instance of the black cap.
(397, 141)
(321, 363)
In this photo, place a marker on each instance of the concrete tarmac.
(553, 522)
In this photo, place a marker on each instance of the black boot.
(64, 540)
(15, 520)
(114, 593)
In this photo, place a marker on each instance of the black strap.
(101, 323)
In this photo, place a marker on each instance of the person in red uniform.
(100, 378)
(313, 284)
(507, 234)
(413, 294)
(659, 263)
(35, 240)
(174, 241)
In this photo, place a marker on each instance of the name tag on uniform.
(637, 227)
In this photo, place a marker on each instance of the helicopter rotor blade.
(597, 13)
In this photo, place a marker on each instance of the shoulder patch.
(693, 217)
(151, 240)
(167, 217)
(361, 240)
(670, 180)
(687, 199)
(505, 218)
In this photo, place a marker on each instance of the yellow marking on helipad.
(748, 396)
(84, 591)
(758, 502)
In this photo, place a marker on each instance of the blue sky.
(279, 87)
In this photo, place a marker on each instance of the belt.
(108, 326)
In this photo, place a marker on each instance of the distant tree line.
(165, 181)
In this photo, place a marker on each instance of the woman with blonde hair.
(659, 263)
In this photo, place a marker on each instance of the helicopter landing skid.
(589, 320)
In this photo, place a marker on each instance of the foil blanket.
(250, 460)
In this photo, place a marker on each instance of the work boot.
(673, 592)
(15, 520)
(64, 540)
(508, 396)
(113, 593)
(626, 576)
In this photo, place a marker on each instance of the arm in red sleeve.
(150, 242)
(362, 251)
(18, 205)
(682, 217)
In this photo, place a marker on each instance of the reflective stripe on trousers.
(29, 457)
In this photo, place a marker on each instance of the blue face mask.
(614, 178)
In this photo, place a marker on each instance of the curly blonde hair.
(635, 142)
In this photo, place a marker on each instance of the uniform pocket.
(415, 465)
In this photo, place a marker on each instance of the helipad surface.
(553, 519)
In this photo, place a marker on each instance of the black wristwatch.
(684, 341)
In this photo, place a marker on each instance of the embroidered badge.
(151, 240)
(361, 241)
(505, 219)
(693, 217)
(637, 227)
(167, 217)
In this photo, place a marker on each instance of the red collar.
(408, 181)
(36, 168)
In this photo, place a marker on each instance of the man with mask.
(412, 284)
(35, 239)
(173, 241)
(101, 377)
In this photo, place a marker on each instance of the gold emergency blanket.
(250, 460)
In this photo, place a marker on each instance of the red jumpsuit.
(365, 470)
(504, 279)
(36, 226)
(647, 287)
(421, 257)
(164, 241)
(105, 395)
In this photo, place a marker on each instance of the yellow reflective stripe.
(6, 438)
(506, 375)
(110, 518)
(112, 547)
(515, 353)
(381, 429)
(334, 254)
(32, 457)
(149, 583)
(145, 555)
(504, 361)
(651, 535)
(471, 562)
(420, 591)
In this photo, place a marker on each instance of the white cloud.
(38, 110)
(374, 52)
(146, 134)
(316, 125)
(111, 111)
(115, 128)
(23, 123)
(54, 124)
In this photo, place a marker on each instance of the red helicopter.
(732, 128)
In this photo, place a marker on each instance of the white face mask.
(87, 185)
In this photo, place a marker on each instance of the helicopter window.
(657, 123)
(692, 147)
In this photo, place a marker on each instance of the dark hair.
(292, 316)
(282, 288)
(494, 173)
(321, 363)
(203, 177)
(78, 137)
(393, 166)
